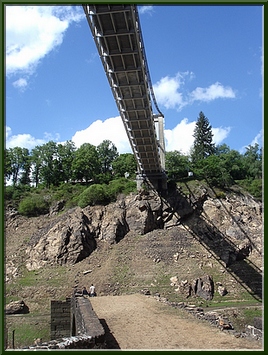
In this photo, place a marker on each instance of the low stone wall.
(86, 320)
(60, 319)
(74, 325)
(73, 342)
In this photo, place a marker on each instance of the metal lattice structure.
(117, 34)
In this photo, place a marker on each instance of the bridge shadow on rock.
(111, 342)
(202, 228)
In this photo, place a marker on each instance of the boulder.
(258, 322)
(140, 218)
(113, 226)
(222, 290)
(57, 207)
(204, 287)
(69, 241)
(16, 307)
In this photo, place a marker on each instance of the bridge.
(117, 34)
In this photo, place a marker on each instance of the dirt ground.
(141, 322)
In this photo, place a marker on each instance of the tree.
(203, 146)
(86, 165)
(36, 162)
(177, 165)
(65, 154)
(107, 152)
(124, 163)
(49, 164)
(17, 165)
(233, 163)
(253, 162)
(222, 149)
(7, 165)
(215, 172)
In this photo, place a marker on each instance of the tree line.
(52, 164)
(220, 165)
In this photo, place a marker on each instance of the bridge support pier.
(152, 182)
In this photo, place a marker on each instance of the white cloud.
(111, 129)
(33, 31)
(167, 94)
(258, 139)
(143, 9)
(181, 137)
(170, 91)
(24, 140)
(20, 84)
(178, 138)
(214, 91)
(220, 133)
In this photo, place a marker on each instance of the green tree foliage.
(203, 146)
(36, 160)
(232, 161)
(102, 193)
(107, 152)
(254, 187)
(7, 164)
(214, 170)
(93, 195)
(17, 165)
(50, 172)
(34, 205)
(120, 186)
(65, 154)
(177, 165)
(86, 164)
(253, 162)
(56, 165)
(124, 163)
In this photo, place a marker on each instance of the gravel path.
(141, 322)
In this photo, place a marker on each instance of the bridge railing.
(117, 34)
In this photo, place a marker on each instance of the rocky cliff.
(229, 228)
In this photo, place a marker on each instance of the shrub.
(33, 206)
(119, 186)
(220, 195)
(93, 195)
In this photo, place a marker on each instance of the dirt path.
(139, 322)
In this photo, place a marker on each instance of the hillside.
(137, 244)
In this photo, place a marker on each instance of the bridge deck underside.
(116, 31)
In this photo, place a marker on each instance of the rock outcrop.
(16, 307)
(232, 226)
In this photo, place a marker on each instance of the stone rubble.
(215, 319)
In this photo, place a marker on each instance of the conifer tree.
(203, 146)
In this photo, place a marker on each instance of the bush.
(119, 186)
(33, 206)
(254, 187)
(16, 193)
(93, 195)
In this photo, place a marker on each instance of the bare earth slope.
(140, 322)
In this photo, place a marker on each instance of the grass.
(26, 328)
(245, 316)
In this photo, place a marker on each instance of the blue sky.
(201, 58)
